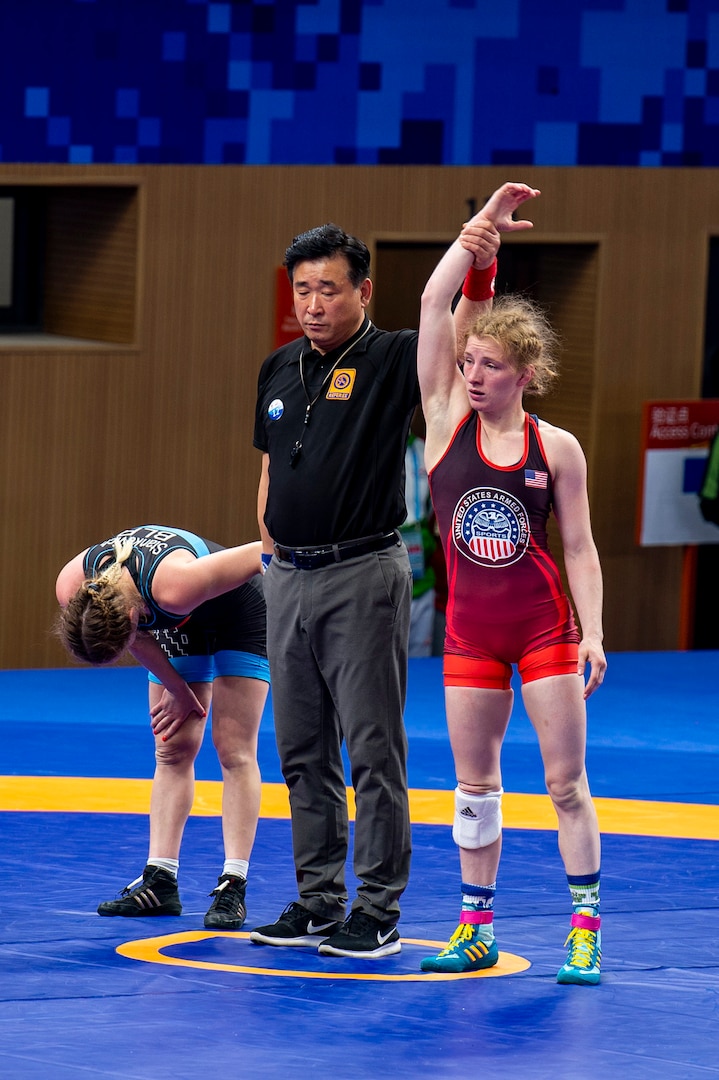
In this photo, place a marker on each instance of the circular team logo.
(275, 409)
(490, 527)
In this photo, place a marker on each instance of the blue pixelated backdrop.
(370, 82)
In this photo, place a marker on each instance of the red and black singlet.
(506, 597)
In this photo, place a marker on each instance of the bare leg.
(556, 708)
(236, 713)
(477, 721)
(173, 786)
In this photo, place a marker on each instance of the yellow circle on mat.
(150, 951)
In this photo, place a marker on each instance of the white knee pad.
(477, 818)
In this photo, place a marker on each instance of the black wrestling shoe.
(155, 893)
(362, 936)
(228, 911)
(296, 926)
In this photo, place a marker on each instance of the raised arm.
(498, 209)
(444, 400)
(439, 379)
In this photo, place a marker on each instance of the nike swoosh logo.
(384, 938)
(319, 927)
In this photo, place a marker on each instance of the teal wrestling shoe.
(584, 954)
(465, 951)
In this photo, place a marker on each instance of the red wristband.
(479, 284)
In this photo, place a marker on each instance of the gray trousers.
(337, 646)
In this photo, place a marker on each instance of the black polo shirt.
(348, 479)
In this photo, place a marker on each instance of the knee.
(477, 818)
(177, 752)
(568, 793)
(235, 756)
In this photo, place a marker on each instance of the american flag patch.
(535, 478)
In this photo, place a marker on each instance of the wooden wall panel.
(94, 438)
(563, 279)
(91, 263)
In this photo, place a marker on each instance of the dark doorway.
(706, 600)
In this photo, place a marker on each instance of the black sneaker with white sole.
(227, 911)
(155, 893)
(362, 936)
(295, 927)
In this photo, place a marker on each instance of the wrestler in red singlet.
(506, 598)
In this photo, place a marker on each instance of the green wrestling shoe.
(584, 954)
(464, 952)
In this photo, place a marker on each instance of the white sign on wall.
(675, 447)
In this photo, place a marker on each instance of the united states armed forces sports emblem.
(490, 527)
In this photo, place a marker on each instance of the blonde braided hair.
(95, 627)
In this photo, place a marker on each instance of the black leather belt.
(314, 558)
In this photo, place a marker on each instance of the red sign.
(675, 446)
(286, 326)
(669, 425)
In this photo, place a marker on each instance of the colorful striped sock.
(478, 908)
(584, 890)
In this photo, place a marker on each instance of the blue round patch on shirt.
(275, 409)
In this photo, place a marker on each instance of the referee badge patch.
(343, 380)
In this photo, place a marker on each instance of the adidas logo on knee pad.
(477, 818)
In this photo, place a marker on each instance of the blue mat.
(72, 1007)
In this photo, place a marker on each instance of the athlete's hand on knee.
(172, 710)
(591, 653)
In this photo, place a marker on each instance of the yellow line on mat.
(68, 794)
